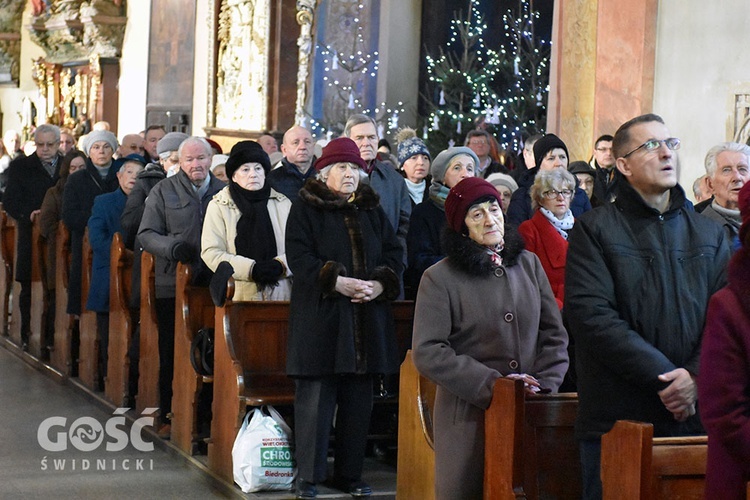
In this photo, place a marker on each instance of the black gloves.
(182, 252)
(267, 272)
(218, 285)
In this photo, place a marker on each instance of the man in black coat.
(29, 177)
(639, 274)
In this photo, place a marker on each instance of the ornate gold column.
(305, 19)
(602, 68)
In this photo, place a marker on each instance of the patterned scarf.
(562, 225)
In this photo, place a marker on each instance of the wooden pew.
(194, 310)
(249, 370)
(61, 357)
(88, 359)
(635, 465)
(7, 252)
(148, 365)
(116, 388)
(416, 456)
(37, 298)
(543, 459)
(530, 451)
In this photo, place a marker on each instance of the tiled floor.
(29, 398)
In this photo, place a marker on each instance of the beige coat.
(217, 244)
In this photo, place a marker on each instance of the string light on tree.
(349, 70)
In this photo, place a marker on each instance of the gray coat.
(174, 214)
(474, 323)
(394, 199)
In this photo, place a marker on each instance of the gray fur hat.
(98, 136)
(440, 163)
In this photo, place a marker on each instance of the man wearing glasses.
(29, 177)
(638, 278)
(603, 160)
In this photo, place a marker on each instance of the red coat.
(542, 238)
(724, 383)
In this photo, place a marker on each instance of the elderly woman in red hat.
(244, 231)
(485, 311)
(346, 262)
(724, 379)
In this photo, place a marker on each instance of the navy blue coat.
(103, 224)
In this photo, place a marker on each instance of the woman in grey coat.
(485, 311)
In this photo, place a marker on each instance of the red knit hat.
(341, 150)
(462, 196)
(744, 203)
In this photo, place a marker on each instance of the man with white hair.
(387, 183)
(727, 169)
(29, 177)
(171, 232)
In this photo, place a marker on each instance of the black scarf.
(255, 237)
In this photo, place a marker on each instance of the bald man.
(131, 144)
(295, 169)
(268, 143)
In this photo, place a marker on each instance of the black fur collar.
(473, 259)
(317, 194)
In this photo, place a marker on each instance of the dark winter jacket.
(78, 199)
(423, 243)
(394, 199)
(130, 220)
(327, 237)
(637, 285)
(519, 208)
(28, 182)
(173, 215)
(288, 180)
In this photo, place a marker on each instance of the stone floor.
(74, 467)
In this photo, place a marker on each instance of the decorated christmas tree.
(505, 87)
(461, 81)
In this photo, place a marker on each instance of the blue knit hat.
(410, 145)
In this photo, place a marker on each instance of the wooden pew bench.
(37, 295)
(249, 370)
(88, 358)
(635, 465)
(116, 385)
(61, 356)
(7, 252)
(250, 346)
(148, 364)
(530, 451)
(194, 310)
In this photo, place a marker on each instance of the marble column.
(603, 55)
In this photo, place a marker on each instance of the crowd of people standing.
(592, 276)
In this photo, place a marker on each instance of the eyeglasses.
(552, 194)
(45, 145)
(671, 143)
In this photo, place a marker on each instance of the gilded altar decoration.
(71, 30)
(242, 65)
(11, 13)
(67, 93)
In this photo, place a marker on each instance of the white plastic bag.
(262, 458)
